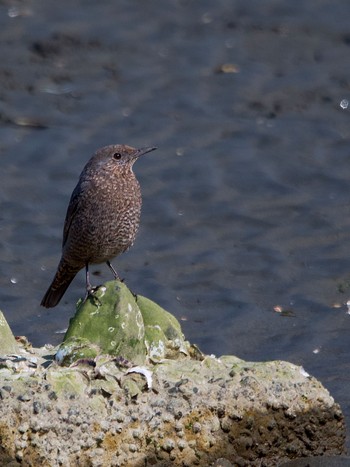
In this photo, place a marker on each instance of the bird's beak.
(141, 151)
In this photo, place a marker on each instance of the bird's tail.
(63, 277)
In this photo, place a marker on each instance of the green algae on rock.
(163, 335)
(109, 322)
(115, 322)
(8, 344)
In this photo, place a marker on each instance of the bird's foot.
(90, 293)
(134, 295)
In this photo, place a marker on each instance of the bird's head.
(116, 156)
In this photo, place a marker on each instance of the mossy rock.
(115, 322)
(163, 334)
(109, 322)
(8, 344)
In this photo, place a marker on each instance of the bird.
(102, 218)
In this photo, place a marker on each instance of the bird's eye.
(117, 155)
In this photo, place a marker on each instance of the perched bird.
(102, 219)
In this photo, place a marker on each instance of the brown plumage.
(102, 219)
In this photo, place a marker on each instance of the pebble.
(23, 428)
(178, 427)
(168, 445)
(52, 395)
(182, 444)
(24, 397)
(197, 427)
(36, 407)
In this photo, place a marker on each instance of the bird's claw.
(90, 293)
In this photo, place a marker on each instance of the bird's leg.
(115, 274)
(88, 283)
(117, 278)
(89, 288)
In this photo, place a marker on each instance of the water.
(245, 223)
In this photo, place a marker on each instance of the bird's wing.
(71, 212)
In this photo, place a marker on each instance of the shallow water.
(246, 201)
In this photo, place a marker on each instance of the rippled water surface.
(246, 202)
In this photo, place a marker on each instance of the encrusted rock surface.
(179, 408)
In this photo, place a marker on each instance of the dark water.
(246, 202)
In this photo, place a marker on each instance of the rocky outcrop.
(170, 406)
